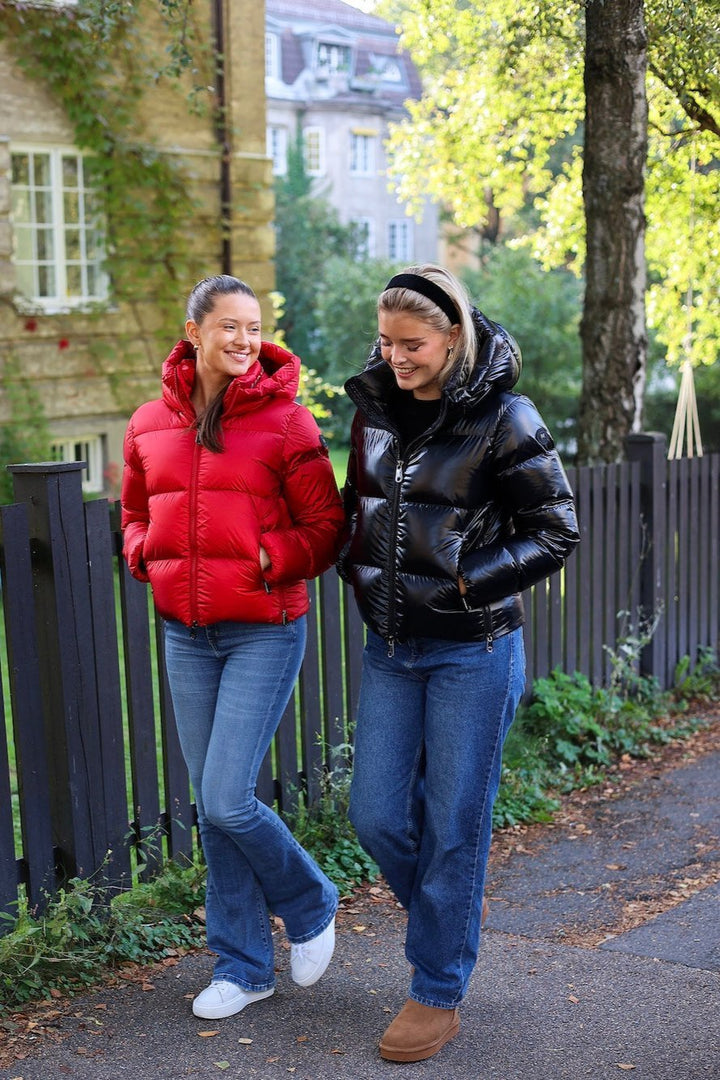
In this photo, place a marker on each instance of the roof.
(374, 43)
(334, 11)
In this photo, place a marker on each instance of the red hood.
(278, 376)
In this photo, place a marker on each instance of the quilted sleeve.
(310, 545)
(134, 506)
(532, 487)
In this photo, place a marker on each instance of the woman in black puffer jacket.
(456, 502)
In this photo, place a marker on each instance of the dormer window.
(331, 58)
(385, 68)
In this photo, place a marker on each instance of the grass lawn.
(338, 457)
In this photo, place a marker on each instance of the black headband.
(426, 288)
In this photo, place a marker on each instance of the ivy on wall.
(97, 61)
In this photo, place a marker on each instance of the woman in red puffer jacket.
(229, 504)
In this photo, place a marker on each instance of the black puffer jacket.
(481, 494)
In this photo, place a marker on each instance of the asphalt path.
(601, 957)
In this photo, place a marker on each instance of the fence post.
(650, 451)
(52, 492)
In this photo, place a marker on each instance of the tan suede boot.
(418, 1031)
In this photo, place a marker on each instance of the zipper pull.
(399, 472)
(391, 647)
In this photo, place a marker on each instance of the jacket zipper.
(394, 515)
(192, 536)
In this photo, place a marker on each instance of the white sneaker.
(309, 960)
(223, 998)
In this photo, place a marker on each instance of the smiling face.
(228, 339)
(415, 351)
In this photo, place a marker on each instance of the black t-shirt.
(412, 416)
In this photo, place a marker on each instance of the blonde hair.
(404, 299)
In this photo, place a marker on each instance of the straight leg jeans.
(230, 683)
(431, 725)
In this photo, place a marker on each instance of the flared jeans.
(230, 683)
(432, 721)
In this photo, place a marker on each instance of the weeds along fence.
(92, 781)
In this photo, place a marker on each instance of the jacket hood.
(497, 368)
(277, 374)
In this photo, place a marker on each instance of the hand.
(264, 559)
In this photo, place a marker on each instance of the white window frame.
(87, 448)
(45, 231)
(277, 143)
(332, 57)
(400, 236)
(314, 150)
(366, 247)
(272, 55)
(362, 153)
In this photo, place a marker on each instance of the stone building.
(92, 352)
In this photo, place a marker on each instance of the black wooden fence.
(92, 774)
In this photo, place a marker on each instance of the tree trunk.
(613, 332)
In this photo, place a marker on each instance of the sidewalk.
(579, 976)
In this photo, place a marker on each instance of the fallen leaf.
(627, 1068)
(222, 1064)
(574, 1000)
(271, 1061)
(147, 986)
(207, 1034)
(359, 929)
(302, 1038)
(245, 1042)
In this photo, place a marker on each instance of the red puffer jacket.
(194, 520)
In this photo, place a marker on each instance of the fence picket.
(650, 533)
(37, 869)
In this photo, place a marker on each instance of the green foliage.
(323, 828)
(542, 310)
(80, 936)
(346, 327)
(26, 437)
(701, 682)
(475, 142)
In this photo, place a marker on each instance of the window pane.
(20, 169)
(46, 281)
(23, 244)
(54, 216)
(71, 207)
(45, 244)
(70, 171)
(43, 206)
(41, 163)
(25, 280)
(73, 277)
(20, 205)
(72, 245)
(92, 280)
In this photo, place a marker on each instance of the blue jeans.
(431, 724)
(230, 684)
